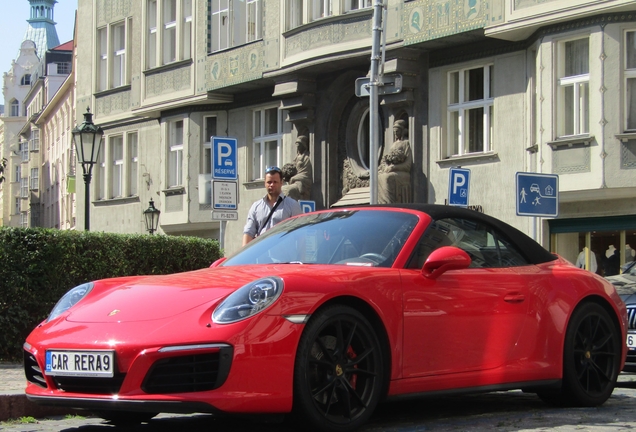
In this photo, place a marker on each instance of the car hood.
(627, 292)
(621, 279)
(159, 297)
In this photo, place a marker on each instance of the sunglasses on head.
(272, 169)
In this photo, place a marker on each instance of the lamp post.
(87, 139)
(152, 217)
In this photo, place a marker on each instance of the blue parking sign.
(458, 187)
(224, 158)
(307, 206)
(537, 194)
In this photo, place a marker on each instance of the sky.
(13, 16)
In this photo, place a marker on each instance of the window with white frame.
(23, 147)
(470, 111)
(35, 179)
(116, 148)
(630, 80)
(175, 152)
(17, 173)
(357, 4)
(320, 9)
(18, 202)
(317, 9)
(573, 92)
(168, 31)
(100, 175)
(267, 129)
(209, 130)
(112, 45)
(35, 140)
(133, 169)
(24, 220)
(234, 23)
(15, 108)
(24, 187)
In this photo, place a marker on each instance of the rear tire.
(591, 359)
(339, 371)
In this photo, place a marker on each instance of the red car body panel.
(467, 328)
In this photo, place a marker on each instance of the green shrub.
(37, 266)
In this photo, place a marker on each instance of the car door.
(465, 320)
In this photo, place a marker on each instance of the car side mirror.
(218, 262)
(444, 259)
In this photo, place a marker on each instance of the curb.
(14, 406)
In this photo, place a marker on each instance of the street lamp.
(87, 139)
(152, 217)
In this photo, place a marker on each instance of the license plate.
(80, 363)
(631, 341)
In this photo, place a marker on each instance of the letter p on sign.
(459, 180)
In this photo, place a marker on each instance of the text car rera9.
(330, 313)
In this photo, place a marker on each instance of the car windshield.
(347, 237)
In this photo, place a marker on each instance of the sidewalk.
(13, 402)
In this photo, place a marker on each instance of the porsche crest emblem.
(114, 312)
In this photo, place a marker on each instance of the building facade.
(38, 72)
(494, 86)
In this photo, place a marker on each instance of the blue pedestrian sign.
(224, 158)
(459, 182)
(307, 206)
(537, 194)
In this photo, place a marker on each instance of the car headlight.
(70, 299)
(248, 300)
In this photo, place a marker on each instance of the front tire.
(591, 359)
(338, 375)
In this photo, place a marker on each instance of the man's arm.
(247, 238)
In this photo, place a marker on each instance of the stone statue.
(298, 185)
(394, 172)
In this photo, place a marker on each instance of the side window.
(485, 246)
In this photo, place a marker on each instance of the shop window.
(600, 245)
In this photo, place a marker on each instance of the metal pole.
(373, 101)
(87, 182)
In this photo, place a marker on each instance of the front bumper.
(249, 372)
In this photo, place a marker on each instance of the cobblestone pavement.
(500, 411)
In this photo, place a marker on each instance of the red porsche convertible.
(330, 313)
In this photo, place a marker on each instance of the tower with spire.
(41, 28)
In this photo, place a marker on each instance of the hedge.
(37, 266)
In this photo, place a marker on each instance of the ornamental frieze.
(240, 65)
(424, 20)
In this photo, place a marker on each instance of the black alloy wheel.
(338, 376)
(591, 359)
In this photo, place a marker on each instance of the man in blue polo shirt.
(271, 209)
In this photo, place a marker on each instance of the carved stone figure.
(299, 184)
(394, 172)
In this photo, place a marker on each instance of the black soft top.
(531, 250)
